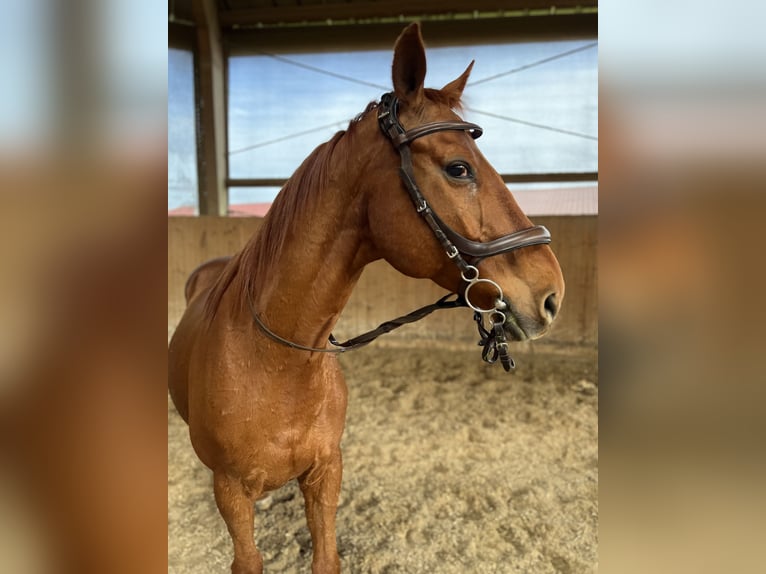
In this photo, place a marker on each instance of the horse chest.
(279, 455)
(275, 431)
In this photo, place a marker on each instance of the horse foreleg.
(236, 506)
(321, 489)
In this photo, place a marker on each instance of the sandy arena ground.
(451, 466)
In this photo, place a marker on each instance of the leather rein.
(465, 253)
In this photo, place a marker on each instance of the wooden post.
(211, 162)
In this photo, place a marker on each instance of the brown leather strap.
(478, 250)
(401, 139)
(448, 301)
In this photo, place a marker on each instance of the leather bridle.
(465, 253)
(458, 248)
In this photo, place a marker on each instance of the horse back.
(204, 276)
(196, 291)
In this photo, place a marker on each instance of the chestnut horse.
(262, 412)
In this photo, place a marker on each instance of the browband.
(409, 136)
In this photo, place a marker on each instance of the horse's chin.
(513, 330)
(518, 328)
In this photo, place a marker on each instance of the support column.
(211, 65)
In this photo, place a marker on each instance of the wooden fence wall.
(383, 293)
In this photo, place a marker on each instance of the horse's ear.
(454, 90)
(409, 68)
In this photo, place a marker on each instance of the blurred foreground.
(82, 298)
(681, 276)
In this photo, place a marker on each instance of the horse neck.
(300, 287)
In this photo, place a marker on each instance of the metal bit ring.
(476, 281)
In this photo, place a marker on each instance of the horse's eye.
(459, 170)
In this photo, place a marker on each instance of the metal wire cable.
(531, 124)
(351, 79)
(534, 64)
(325, 72)
(289, 136)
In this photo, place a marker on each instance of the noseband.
(465, 253)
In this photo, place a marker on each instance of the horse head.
(467, 198)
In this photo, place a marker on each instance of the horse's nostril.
(551, 306)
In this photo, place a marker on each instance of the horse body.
(260, 413)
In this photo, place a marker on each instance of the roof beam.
(272, 15)
(380, 36)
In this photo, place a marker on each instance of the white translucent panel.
(282, 107)
(182, 139)
(557, 101)
(279, 112)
